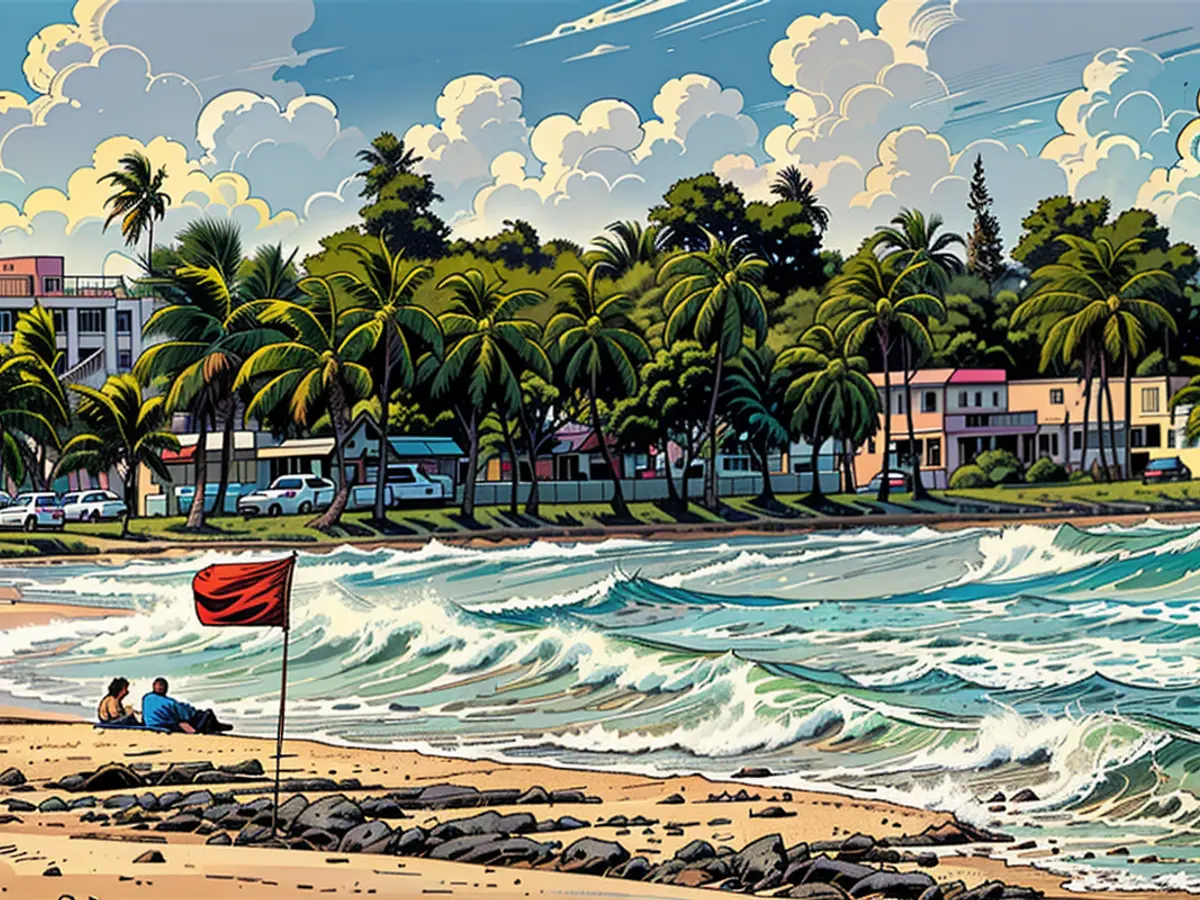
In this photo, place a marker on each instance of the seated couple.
(158, 711)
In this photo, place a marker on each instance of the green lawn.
(1132, 492)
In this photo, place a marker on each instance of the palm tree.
(715, 297)
(125, 431)
(386, 158)
(385, 323)
(1101, 301)
(310, 372)
(755, 389)
(601, 351)
(626, 245)
(880, 301)
(792, 186)
(33, 402)
(487, 346)
(830, 397)
(1189, 395)
(138, 199)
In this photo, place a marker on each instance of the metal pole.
(287, 623)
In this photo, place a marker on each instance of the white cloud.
(624, 11)
(598, 51)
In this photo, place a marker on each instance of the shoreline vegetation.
(110, 814)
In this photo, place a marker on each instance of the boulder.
(845, 875)
(383, 808)
(151, 856)
(750, 772)
(52, 805)
(635, 869)
(246, 767)
(320, 839)
(11, 777)
(499, 797)
(411, 842)
(773, 812)
(369, 837)
(494, 850)
(181, 773)
(196, 798)
(534, 795)
(816, 892)
(290, 808)
(169, 799)
(672, 800)
(568, 797)
(113, 777)
(253, 835)
(334, 814)
(485, 823)
(448, 796)
(591, 856)
(315, 785)
(1025, 796)
(16, 805)
(148, 802)
(218, 811)
(898, 885)
(181, 822)
(120, 801)
(569, 823)
(83, 803)
(220, 839)
(856, 847)
(760, 863)
(997, 797)
(696, 851)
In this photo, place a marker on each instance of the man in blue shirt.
(161, 711)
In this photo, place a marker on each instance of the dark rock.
(290, 808)
(369, 837)
(53, 872)
(349, 784)
(183, 773)
(315, 785)
(927, 860)
(220, 839)
(760, 862)
(320, 838)
(246, 767)
(16, 805)
(534, 795)
(715, 822)
(216, 777)
(1025, 796)
(196, 798)
(856, 847)
(568, 797)
(673, 800)
(11, 777)
(696, 851)
(816, 892)
(448, 796)
(903, 886)
(950, 834)
(989, 890)
(570, 823)
(485, 823)
(219, 811)
(182, 822)
(253, 835)
(591, 856)
(335, 814)
(205, 829)
(83, 803)
(835, 871)
(751, 772)
(798, 853)
(998, 797)
(635, 869)
(148, 802)
(73, 782)
(773, 812)
(52, 805)
(411, 842)
(499, 797)
(383, 808)
(1115, 851)
(113, 777)
(151, 856)
(169, 799)
(120, 801)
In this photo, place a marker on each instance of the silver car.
(33, 512)
(92, 506)
(288, 495)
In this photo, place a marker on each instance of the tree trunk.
(1100, 420)
(515, 476)
(380, 512)
(711, 498)
(672, 492)
(226, 455)
(620, 508)
(851, 486)
(1112, 423)
(195, 520)
(339, 416)
(885, 470)
(131, 499)
(1087, 409)
(532, 441)
(1127, 467)
(768, 492)
(468, 504)
(816, 492)
(918, 489)
(150, 246)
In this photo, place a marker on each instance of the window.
(899, 404)
(60, 320)
(1150, 400)
(124, 360)
(1137, 437)
(1171, 439)
(979, 398)
(124, 322)
(288, 484)
(316, 483)
(6, 321)
(401, 476)
(996, 399)
(933, 452)
(962, 400)
(91, 321)
(929, 401)
(1077, 440)
(52, 285)
(870, 445)
(1056, 396)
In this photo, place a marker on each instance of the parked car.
(1158, 471)
(5, 498)
(92, 506)
(897, 481)
(287, 495)
(362, 496)
(32, 512)
(410, 485)
(184, 495)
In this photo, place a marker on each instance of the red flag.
(244, 593)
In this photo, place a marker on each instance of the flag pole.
(287, 627)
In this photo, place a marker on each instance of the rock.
(73, 783)
(570, 823)
(568, 797)
(349, 784)
(320, 839)
(534, 795)
(751, 772)
(902, 886)
(253, 835)
(816, 892)
(196, 798)
(951, 834)
(760, 862)
(169, 799)
(290, 808)
(53, 872)
(112, 777)
(52, 805)
(845, 875)
(382, 808)
(183, 773)
(635, 869)
(989, 890)
(693, 878)
(448, 796)
(205, 829)
(151, 856)
(772, 812)
(120, 801)
(856, 847)
(369, 837)
(1115, 851)
(11, 777)
(315, 785)
(148, 802)
(696, 851)
(246, 767)
(335, 814)
(998, 797)
(485, 823)
(713, 823)
(220, 839)
(181, 822)
(411, 842)
(83, 803)
(495, 850)
(1025, 796)
(16, 805)
(218, 811)
(673, 800)
(927, 860)
(499, 797)
(216, 777)
(591, 856)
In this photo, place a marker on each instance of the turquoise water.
(931, 667)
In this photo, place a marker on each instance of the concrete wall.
(645, 489)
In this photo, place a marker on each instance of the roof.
(931, 377)
(184, 454)
(242, 440)
(298, 447)
(979, 376)
(424, 447)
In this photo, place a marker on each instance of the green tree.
(626, 244)
(386, 159)
(137, 200)
(881, 301)
(310, 372)
(985, 252)
(516, 247)
(755, 388)
(546, 407)
(792, 186)
(1189, 396)
(34, 403)
(487, 346)
(388, 328)
(715, 298)
(401, 201)
(601, 351)
(123, 430)
(1054, 216)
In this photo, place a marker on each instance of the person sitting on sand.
(112, 711)
(161, 711)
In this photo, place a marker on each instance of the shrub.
(1078, 476)
(1000, 466)
(1046, 471)
(969, 477)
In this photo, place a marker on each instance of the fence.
(499, 493)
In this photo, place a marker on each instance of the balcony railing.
(991, 421)
(61, 286)
(89, 367)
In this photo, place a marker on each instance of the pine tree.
(985, 254)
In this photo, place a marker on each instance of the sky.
(573, 113)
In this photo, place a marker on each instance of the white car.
(287, 495)
(409, 484)
(33, 511)
(92, 506)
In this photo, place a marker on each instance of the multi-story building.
(99, 324)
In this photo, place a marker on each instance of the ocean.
(934, 668)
